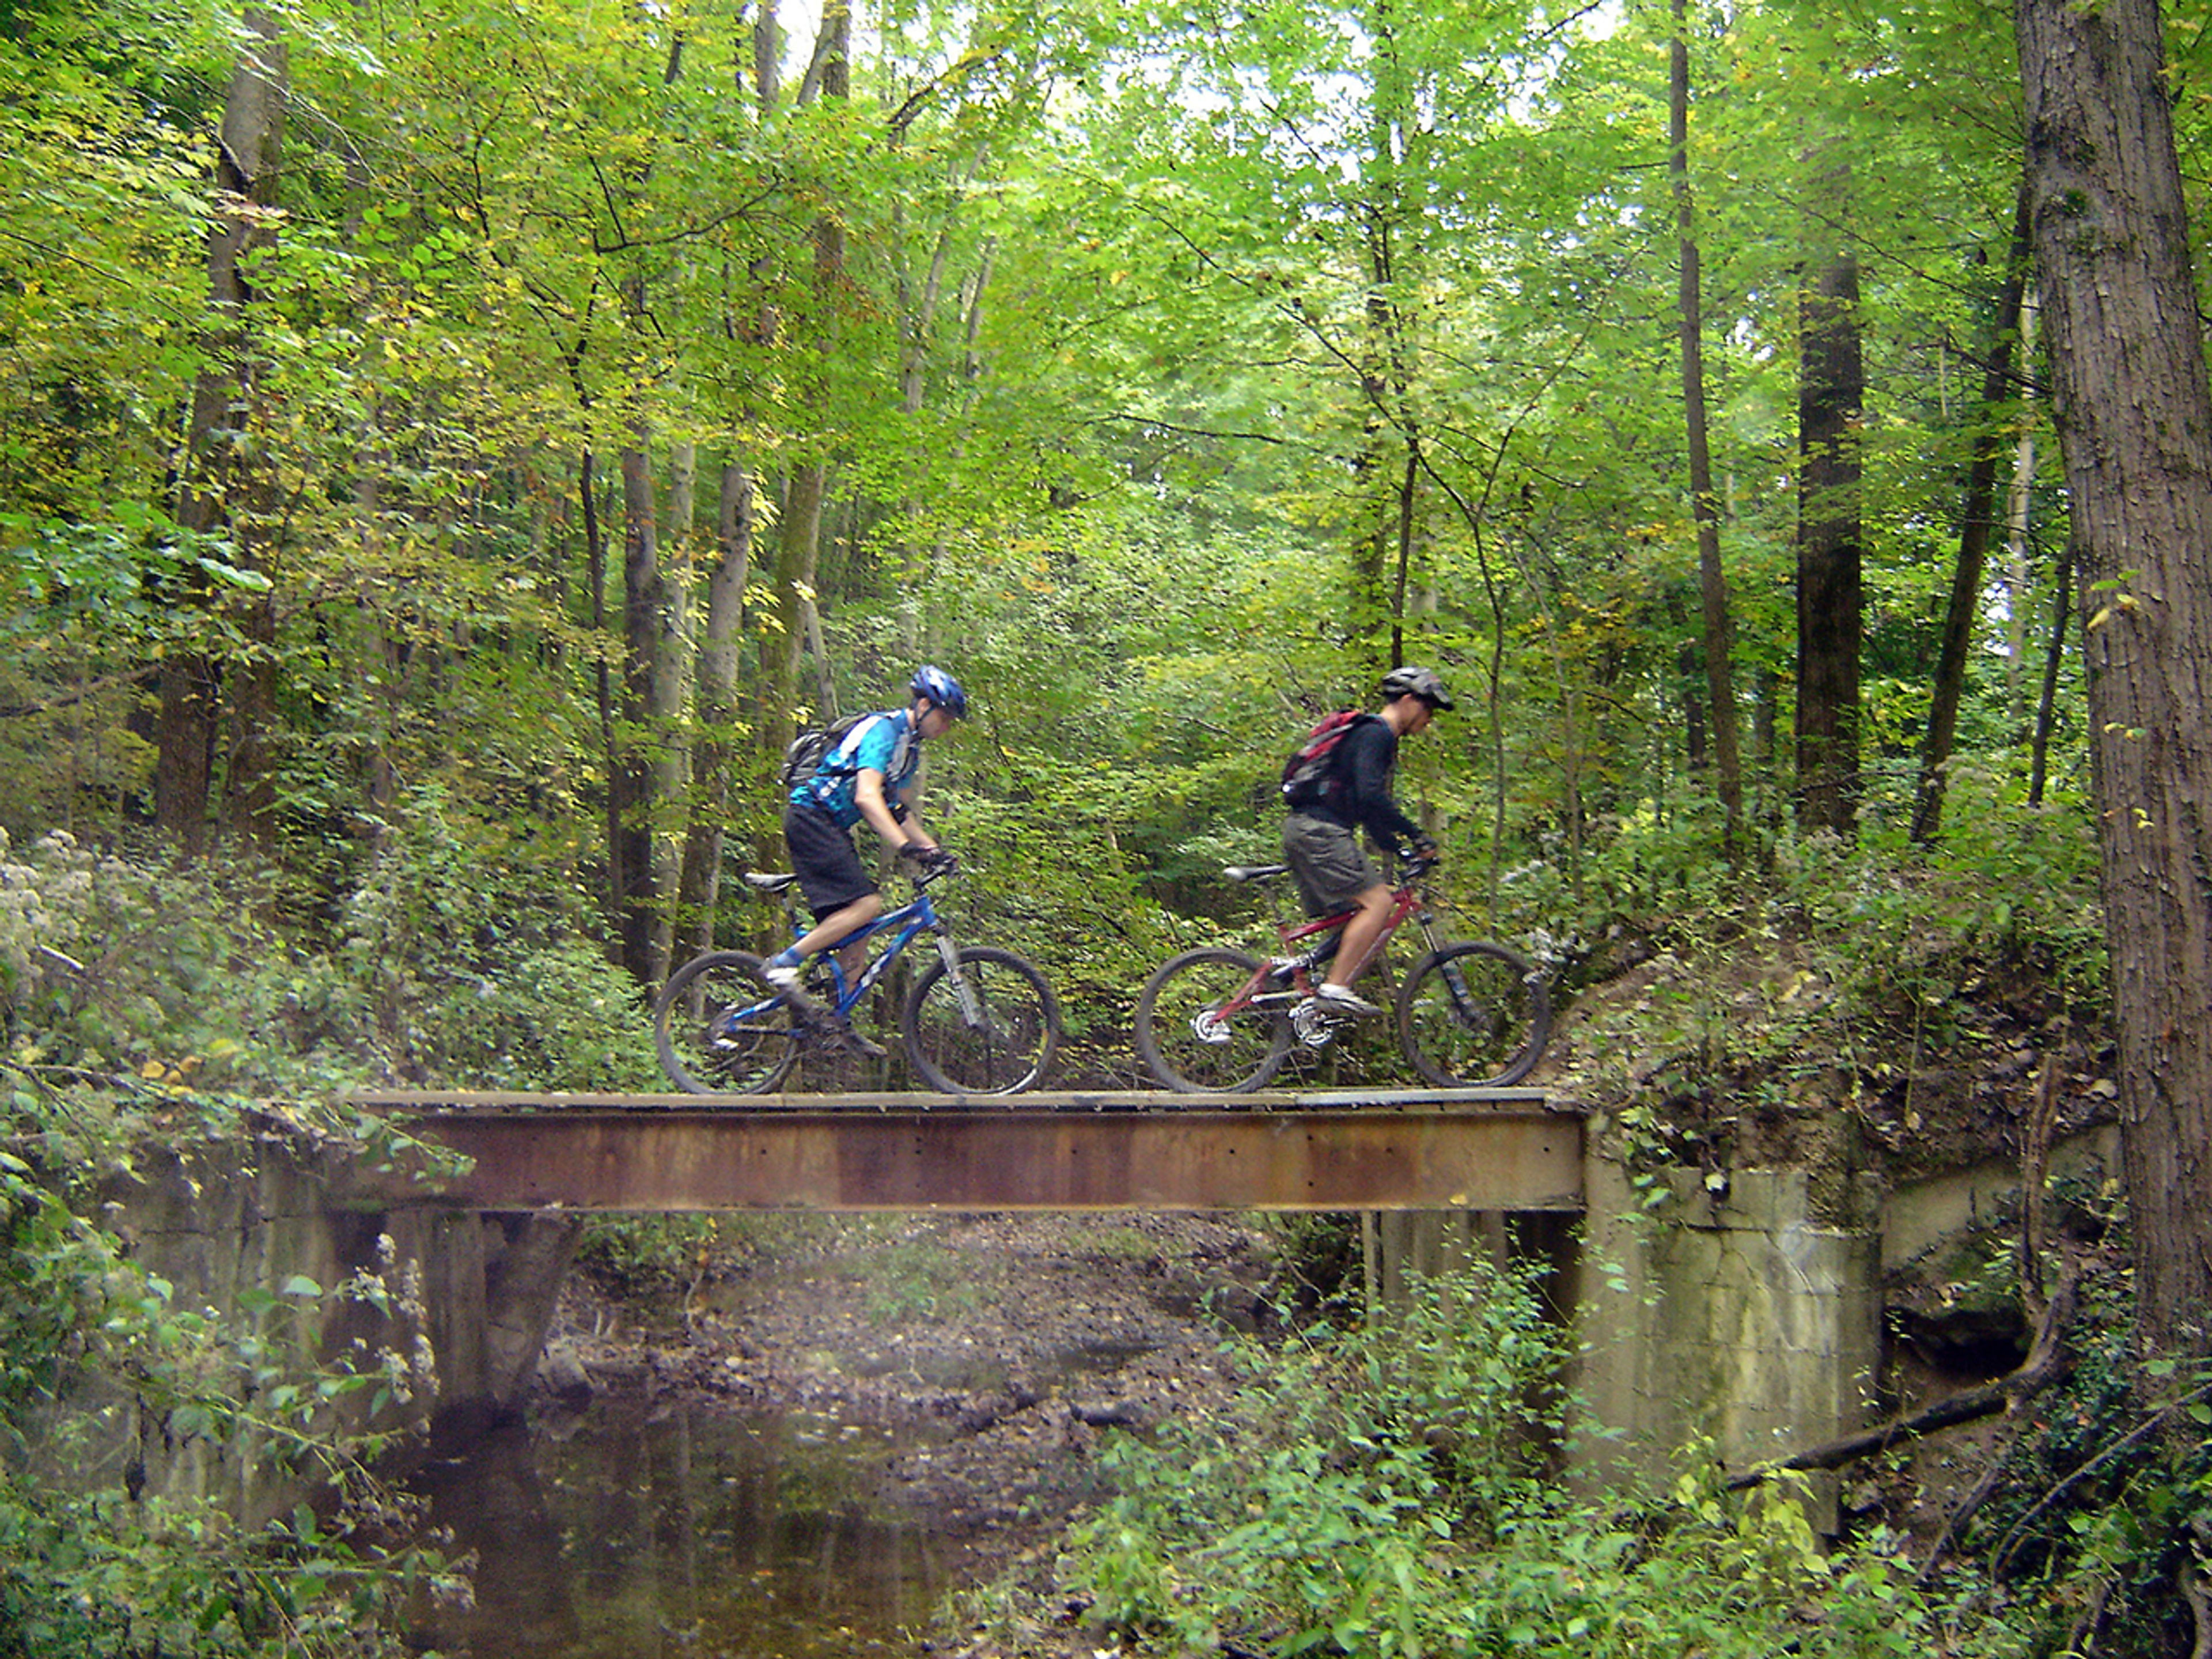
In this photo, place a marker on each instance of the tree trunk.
(1712, 580)
(595, 580)
(1977, 514)
(800, 550)
(2047, 703)
(630, 771)
(715, 706)
(209, 495)
(1830, 388)
(2134, 414)
(2019, 496)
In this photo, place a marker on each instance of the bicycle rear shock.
(1281, 968)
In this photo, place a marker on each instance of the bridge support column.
(1750, 1317)
(491, 1281)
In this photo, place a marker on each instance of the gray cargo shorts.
(1327, 861)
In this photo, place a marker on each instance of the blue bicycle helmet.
(941, 689)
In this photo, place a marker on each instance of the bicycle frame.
(1408, 899)
(916, 916)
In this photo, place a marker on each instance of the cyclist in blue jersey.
(865, 777)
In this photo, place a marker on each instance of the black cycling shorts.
(823, 858)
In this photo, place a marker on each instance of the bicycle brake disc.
(1208, 1026)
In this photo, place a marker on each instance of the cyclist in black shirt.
(1320, 838)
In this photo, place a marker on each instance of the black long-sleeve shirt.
(1360, 794)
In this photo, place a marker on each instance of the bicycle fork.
(1469, 1010)
(971, 1005)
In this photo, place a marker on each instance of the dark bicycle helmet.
(1422, 683)
(941, 689)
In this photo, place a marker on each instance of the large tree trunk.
(799, 549)
(252, 137)
(715, 706)
(2134, 414)
(1830, 388)
(1977, 518)
(1712, 580)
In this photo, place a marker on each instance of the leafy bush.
(649, 1258)
(113, 967)
(108, 965)
(1384, 1493)
(558, 1017)
(130, 1570)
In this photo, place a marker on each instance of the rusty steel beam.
(1338, 1151)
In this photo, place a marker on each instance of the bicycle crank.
(1313, 1025)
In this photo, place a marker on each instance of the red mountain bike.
(1469, 1015)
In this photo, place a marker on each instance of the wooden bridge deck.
(1497, 1149)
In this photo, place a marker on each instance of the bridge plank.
(1497, 1150)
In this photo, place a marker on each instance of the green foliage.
(180, 976)
(1382, 1493)
(648, 1257)
(93, 1344)
(477, 975)
(109, 965)
(553, 1017)
(2006, 880)
(2104, 1498)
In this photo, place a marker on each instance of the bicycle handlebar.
(922, 874)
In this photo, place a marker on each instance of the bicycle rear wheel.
(720, 1029)
(997, 1036)
(1473, 1016)
(1190, 1048)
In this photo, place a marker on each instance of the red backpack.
(1309, 775)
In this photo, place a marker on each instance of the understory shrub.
(1389, 1491)
(205, 976)
(110, 964)
(100, 1358)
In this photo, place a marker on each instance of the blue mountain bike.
(977, 1020)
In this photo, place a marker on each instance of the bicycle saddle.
(1255, 871)
(763, 881)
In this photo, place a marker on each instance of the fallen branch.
(2047, 1362)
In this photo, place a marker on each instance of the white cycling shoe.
(1343, 1000)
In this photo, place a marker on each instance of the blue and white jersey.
(885, 743)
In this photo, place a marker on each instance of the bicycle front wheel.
(720, 1029)
(1473, 1016)
(1188, 1044)
(993, 1030)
